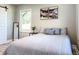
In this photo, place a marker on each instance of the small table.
(33, 33)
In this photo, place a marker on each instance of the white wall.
(11, 15)
(66, 18)
(77, 22)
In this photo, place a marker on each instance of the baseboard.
(6, 42)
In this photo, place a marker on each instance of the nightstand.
(32, 33)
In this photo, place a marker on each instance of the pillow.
(57, 31)
(49, 31)
(63, 31)
(54, 31)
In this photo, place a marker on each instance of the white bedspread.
(41, 44)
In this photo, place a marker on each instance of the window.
(25, 20)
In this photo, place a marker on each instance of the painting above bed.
(49, 13)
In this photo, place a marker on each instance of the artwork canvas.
(49, 13)
(44, 13)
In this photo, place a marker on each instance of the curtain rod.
(4, 7)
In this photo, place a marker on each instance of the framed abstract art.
(49, 13)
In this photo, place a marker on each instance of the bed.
(41, 44)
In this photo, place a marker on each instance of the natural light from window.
(25, 20)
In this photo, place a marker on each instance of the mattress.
(41, 44)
